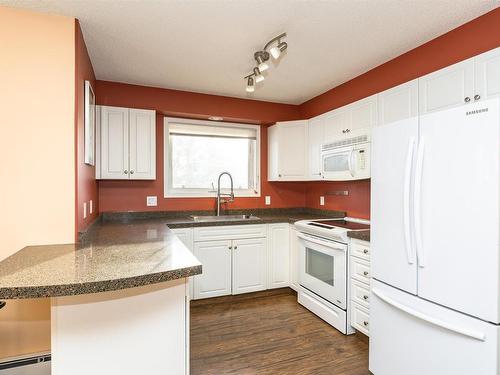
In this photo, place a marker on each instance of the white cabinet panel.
(273, 151)
(360, 249)
(393, 256)
(363, 116)
(398, 103)
(249, 265)
(360, 318)
(316, 135)
(186, 236)
(278, 255)
(294, 258)
(142, 144)
(114, 143)
(446, 88)
(336, 124)
(215, 257)
(459, 257)
(487, 75)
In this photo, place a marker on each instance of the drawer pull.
(365, 251)
(365, 273)
(365, 297)
(365, 323)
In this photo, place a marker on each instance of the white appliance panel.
(458, 252)
(412, 336)
(393, 258)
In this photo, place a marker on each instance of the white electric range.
(323, 268)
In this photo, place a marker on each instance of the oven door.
(337, 164)
(323, 268)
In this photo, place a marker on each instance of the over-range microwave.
(346, 159)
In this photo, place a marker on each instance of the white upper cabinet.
(337, 123)
(126, 144)
(114, 143)
(398, 103)
(316, 134)
(487, 75)
(446, 88)
(288, 151)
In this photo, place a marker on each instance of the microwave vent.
(345, 142)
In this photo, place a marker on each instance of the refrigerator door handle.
(429, 319)
(406, 201)
(417, 203)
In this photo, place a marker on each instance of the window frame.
(170, 192)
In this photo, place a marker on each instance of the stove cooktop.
(339, 223)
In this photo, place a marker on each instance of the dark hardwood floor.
(270, 333)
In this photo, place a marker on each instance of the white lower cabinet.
(249, 265)
(294, 259)
(278, 238)
(216, 260)
(240, 258)
(360, 285)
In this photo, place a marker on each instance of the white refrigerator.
(435, 293)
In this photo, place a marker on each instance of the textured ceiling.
(207, 46)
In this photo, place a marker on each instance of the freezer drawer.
(412, 336)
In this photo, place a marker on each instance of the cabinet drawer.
(360, 293)
(360, 270)
(360, 318)
(360, 249)
(229, 232)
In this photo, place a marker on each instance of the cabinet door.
(294, 259)
(446, 88)
(215, 256)
(363, 116)
(186, 236)
(142, 144)
(273, 149)
(249, 265)
(316, 133)
(336, 124)
(114, 143)
(398, 103)
(487, 75)
(293, 151)
(278, 237)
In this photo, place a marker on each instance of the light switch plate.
(268, 200)
(91, 207)
(84, 210)
(152, 201)
(321, 201)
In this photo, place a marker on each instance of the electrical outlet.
(152, 201)
(268, 200)
(91, 207)
(84, 210)
(321, 201)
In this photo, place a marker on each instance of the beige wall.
(37, 154)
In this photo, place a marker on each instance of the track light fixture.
(261, 57)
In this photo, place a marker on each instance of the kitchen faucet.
(219, 194)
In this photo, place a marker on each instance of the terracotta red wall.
(131, 195)
(475, 37)
(86, 185)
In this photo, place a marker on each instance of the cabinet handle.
(236, 248)
(230, 248)
(131, 172)
(125, 171)
(365, 251)
(477, 97)
(365, 273)
(467, 99)
(365, 297)
(279, 176)
(348, 130)
(365, 323)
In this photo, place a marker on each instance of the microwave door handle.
(350, 163)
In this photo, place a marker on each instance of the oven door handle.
(320, 242)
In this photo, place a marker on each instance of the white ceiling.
(207, 45)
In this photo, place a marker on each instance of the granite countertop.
(114, 256)
(363, 235)
(121, 250)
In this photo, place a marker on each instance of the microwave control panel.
(361, 159)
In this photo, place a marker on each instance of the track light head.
(261, 57)
(250, 84)
(276, 51)
(258, 75)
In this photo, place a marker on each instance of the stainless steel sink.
(224, 218)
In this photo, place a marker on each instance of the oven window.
(336, 163)
(319, 266)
